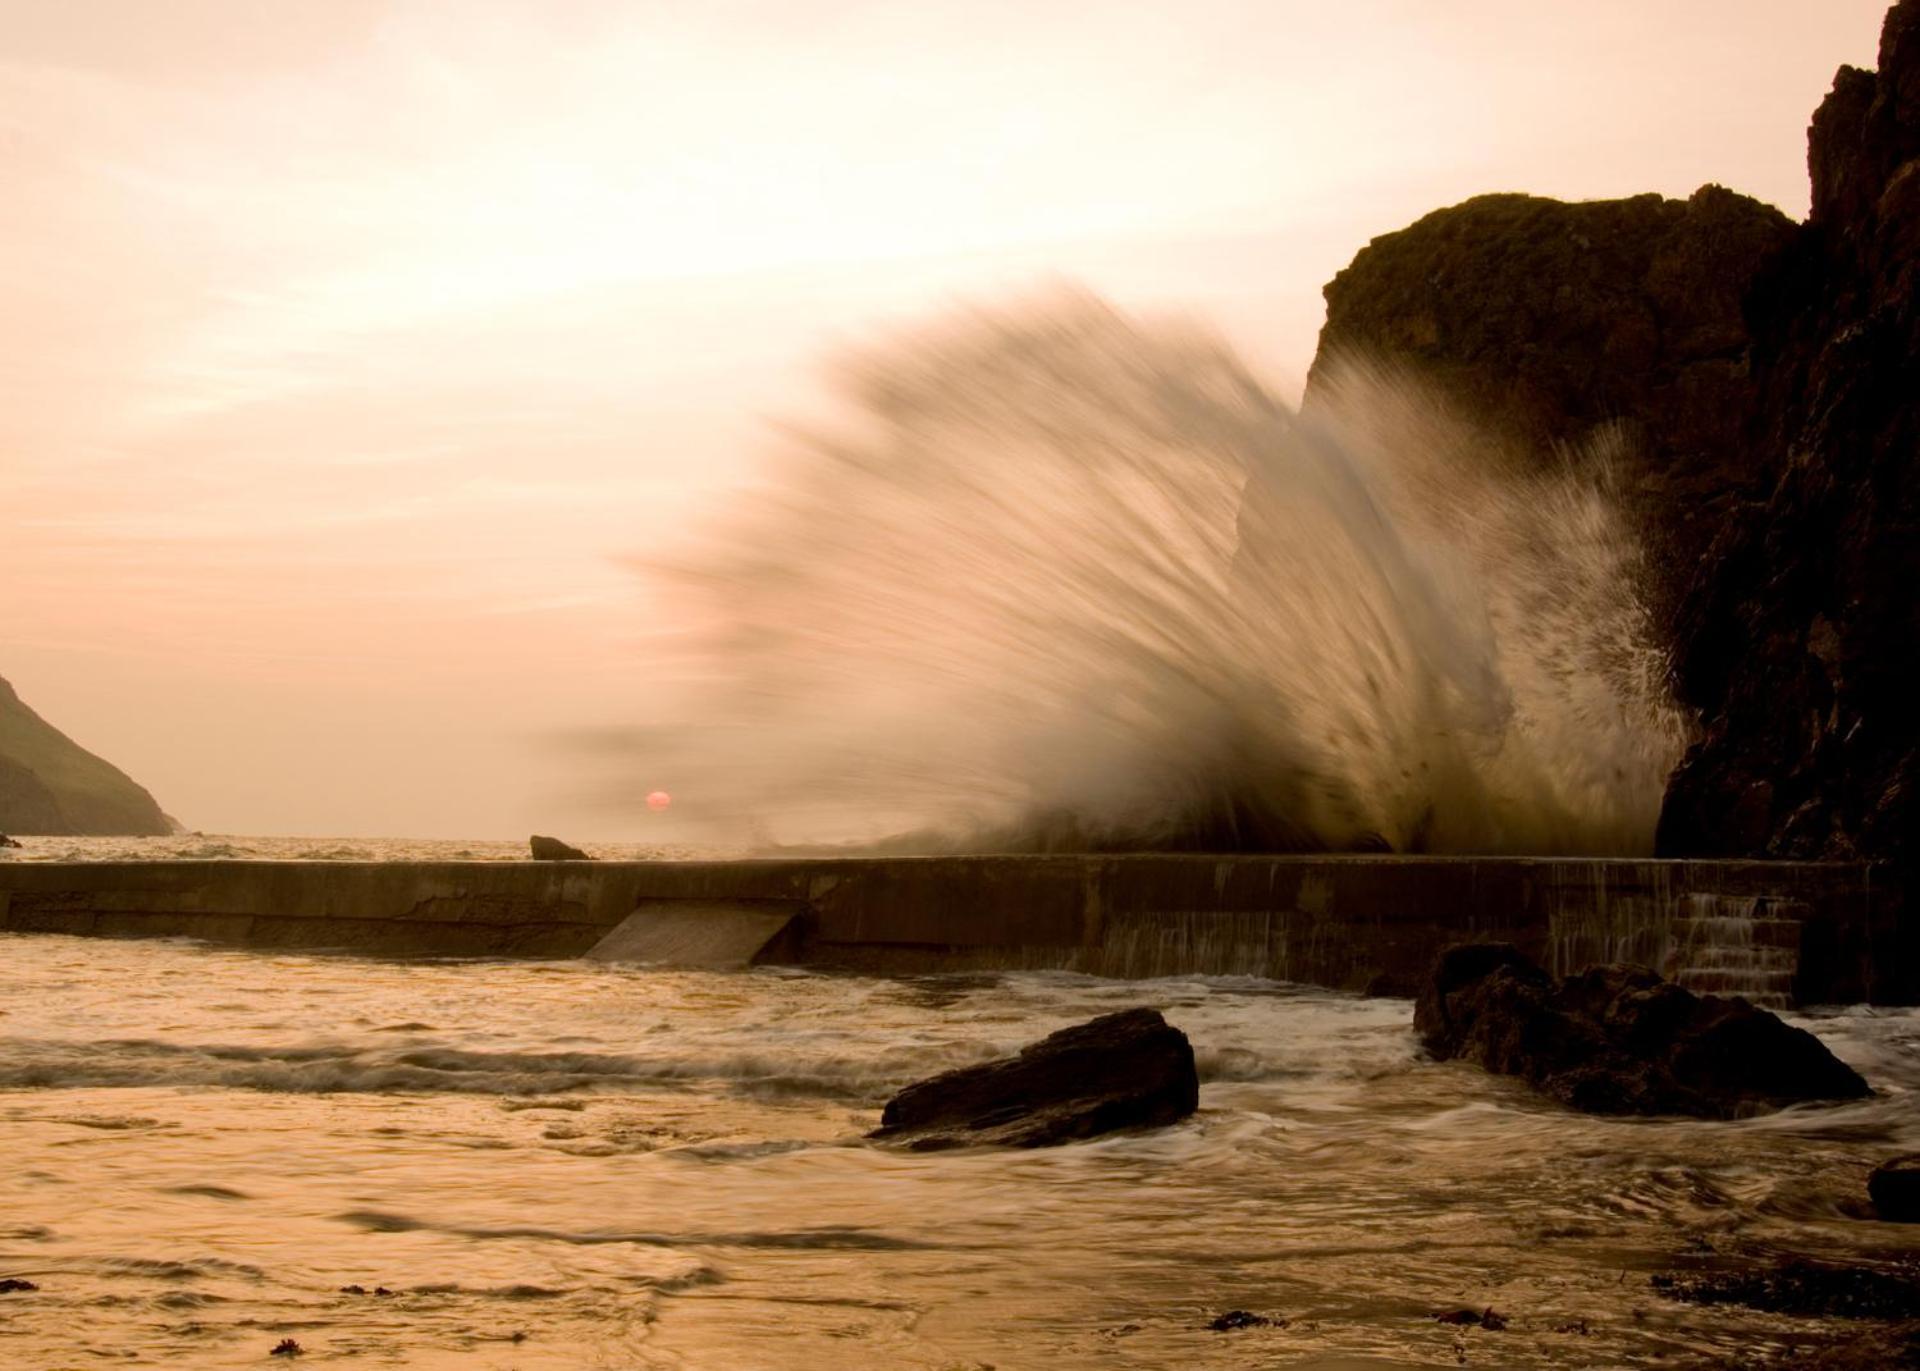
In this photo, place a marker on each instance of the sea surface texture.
(569, 1165)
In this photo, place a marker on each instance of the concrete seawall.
(1810, 932)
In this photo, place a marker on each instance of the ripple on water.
(683, 1182)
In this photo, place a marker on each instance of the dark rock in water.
(1620, 1040)
(5, 841)
(1804, 1289)
(1127, 1070)
(13, 1283)
(1235, 1319)
(1894, 1188)
(286, 1347)
(1800, 639)
(1547, 322)
(1474, 1318)
(553, 850)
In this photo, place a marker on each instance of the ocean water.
(203, 847)
(563, 1165)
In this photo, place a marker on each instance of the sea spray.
(1060, 579)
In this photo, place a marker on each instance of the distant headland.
(49, 784)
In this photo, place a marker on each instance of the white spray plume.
(1067, 580)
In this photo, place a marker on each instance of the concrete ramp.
(715, 936)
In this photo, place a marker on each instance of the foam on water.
(1064, 579)
(562, 1165)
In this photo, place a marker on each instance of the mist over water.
(1058, 578)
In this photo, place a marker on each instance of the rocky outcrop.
(1620, 1040)
(545, 849)
(1894, 1188)
(51, 785)
(1769, 372)
(1800, 641)
(1545, 322)
(1127, 1070)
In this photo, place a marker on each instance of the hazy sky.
(349, 347)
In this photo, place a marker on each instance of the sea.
(211, 1154)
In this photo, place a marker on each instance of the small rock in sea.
(1127, 1070)
(13, 1283)
(1576, 1326)
(1474, 1318)
(1236, 1319)
(547, 849)
(381, 1290)
(5, 841)
(1620, 1040)
(286, 1347)
(1804, 1289)
(1894, 1188)
(353, 1289)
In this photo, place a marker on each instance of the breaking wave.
(1062, 580)
(347, 1068)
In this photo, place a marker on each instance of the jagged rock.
(1800, 640)
(5, 841)
(1894, 1188)
(1620, 1040)
(1545, 322)
(51, 785)
(1127, 1070)
(547, 849)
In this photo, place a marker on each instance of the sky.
(354, 352)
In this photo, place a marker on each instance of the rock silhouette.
(1801, 637)
(547, 849)
(1546, 322)
(1894, 1188)
(49, 784)
(1127, 1070)
(1620, 1040)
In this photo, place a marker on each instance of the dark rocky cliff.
(1770, 374)
(1544, 321)
(51, 785)
(1800, 641)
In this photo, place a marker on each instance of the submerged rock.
(547, 849)
(1803, 1289)
(1894, 1188)
(1620, 1040)
(1127, 1070)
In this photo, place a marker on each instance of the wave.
(1059, 579)
(346, 1069)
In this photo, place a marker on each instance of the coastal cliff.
(1545, 322)
(1768, 375)
(1800, 640)
(51, 785)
